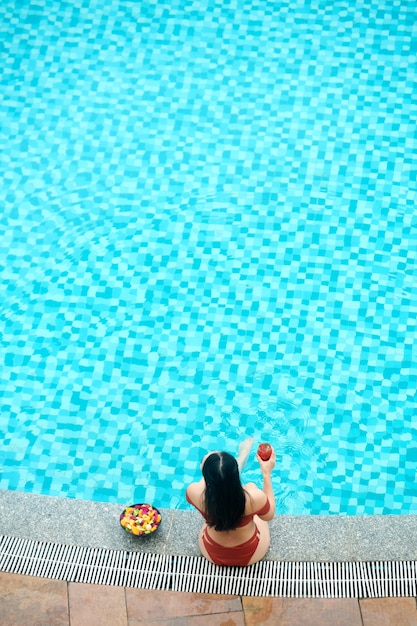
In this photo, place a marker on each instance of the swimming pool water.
(209, 232)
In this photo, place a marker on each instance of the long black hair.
(224, 496)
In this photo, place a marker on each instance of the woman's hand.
(267, 466)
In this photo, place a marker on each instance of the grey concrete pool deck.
(293, 538)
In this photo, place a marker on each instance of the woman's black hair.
(224, 496)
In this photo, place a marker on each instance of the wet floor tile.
(96, 605)
(389, 612)
(36, 601)
(144, 604)
(216, 619)
(300, 612)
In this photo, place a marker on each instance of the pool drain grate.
(194, 574)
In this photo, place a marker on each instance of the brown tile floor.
(42, 602)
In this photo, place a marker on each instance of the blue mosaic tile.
(208, 225)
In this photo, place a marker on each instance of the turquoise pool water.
(208, 232)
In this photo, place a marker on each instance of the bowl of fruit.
(140, 519)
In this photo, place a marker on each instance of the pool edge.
(293, 538)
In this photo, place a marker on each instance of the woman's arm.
(266, 469)
(194, 492)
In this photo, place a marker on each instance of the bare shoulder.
(195, 491)
(257, 498)
(252, 488)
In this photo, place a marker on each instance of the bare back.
(255, 501)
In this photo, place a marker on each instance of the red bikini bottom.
(234, 555)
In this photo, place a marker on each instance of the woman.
(236, 530)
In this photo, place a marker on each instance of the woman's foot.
(244, 451)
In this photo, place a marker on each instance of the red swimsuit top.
(246, 519)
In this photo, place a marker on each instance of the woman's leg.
(264, 540)
(244, 451)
